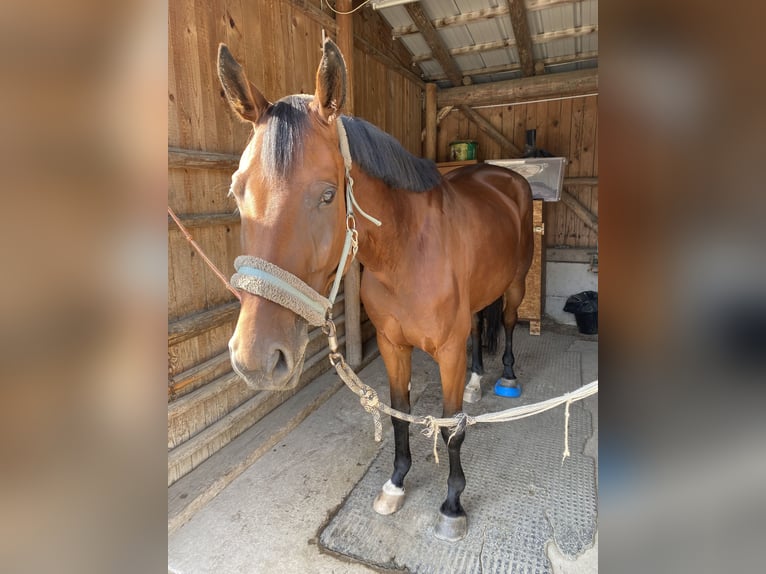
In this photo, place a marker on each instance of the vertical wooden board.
(588, 141)
(595, 142)
(556, 229)
(530, 122)
(565, 129)
(207, 25)
(509, 114)
(278, 48)
(173, 129)
(576, 136)
(519, 137)
(576, 149)
(284, 14)
(179, 26)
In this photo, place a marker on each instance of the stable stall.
(431, 74)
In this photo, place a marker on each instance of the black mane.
(381, 156)
(376, 152)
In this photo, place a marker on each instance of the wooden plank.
(522, 35)
(192, 325)
(315, 13)
(484, 125)
(439, 50)
(431, 121)
(531, 306)
(582, 212)
(197, 159)
(193, 378)
(205, 220)
(522, 89)
(456, 20)
(501, 68)
(569, 33)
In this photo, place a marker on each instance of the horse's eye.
(327, 196)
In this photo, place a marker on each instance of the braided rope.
(371, 403)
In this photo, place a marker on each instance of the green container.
(462, 150)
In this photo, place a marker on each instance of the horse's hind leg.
(398, 361)
(452, 523)
(472, 392)
(508, 385)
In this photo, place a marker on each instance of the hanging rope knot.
(566, 431)
(369, 400)
(461, 421)
(432, 430)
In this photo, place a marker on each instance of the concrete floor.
(268, 518)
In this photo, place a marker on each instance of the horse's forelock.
(282, 142)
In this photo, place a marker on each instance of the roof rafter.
(552, 61)
(523, 37)
(478, 16)
(441, 54)
(536, 39)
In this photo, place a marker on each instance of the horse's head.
(289, 191)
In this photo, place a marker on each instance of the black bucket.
(585, 308)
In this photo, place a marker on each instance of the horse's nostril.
(281, 363)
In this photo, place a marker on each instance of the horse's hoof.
(451, 528)
(472, 392)
(508, 388)
(389, 499)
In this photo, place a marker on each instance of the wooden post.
(431, 121)
(345, 37)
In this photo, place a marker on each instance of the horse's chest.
(416, 313)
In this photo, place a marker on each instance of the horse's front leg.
(452, 523)
(398, 361)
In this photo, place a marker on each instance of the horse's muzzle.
(268, 346)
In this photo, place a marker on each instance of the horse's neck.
(381, 248)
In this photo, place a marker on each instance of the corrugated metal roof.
(564, 36)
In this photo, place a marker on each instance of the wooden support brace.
(588, 218)
(484, 125)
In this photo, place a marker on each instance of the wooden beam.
(478, 16)
(315, 13)
(439, 117)
(484, 125)
(352, 280)
(193, 325)
(196, 159)
(431, 121)
(552, 61)
(387, 60)
(533, 5)
(581, 181)
(440, 23)
(439, 50)
(576, 83)
(588, 218)
(523, 38)
(536, 39)
(205, 220)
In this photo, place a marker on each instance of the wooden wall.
(278, 42)
(567, 128)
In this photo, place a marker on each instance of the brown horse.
(447, 248)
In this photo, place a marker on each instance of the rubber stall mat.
(518, 496)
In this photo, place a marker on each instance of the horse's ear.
(244, 98)
(331, 82)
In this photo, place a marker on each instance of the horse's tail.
(493, 318)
